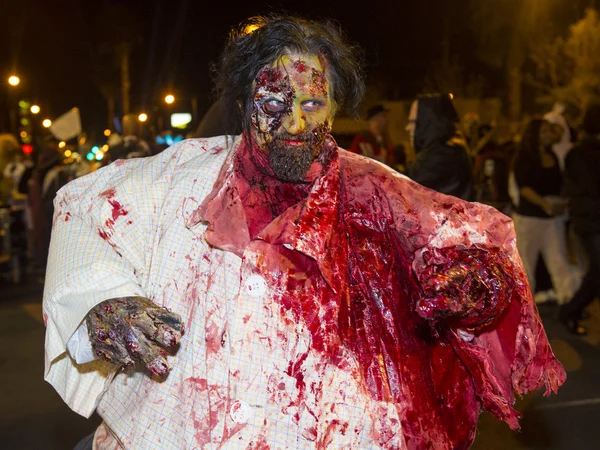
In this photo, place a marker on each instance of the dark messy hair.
(247, 52)
(530, 140)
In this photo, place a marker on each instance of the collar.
(307, 227)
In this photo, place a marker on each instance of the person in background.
(441, 161)
(582, 188)
(563, 139)
(48, 159)
(565, 136)
(13, 208)
(375, 142)
(484, 167)
(469, 129)
(538, 218)
(130, 144)
(9, 146)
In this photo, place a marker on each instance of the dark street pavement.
(32, 415)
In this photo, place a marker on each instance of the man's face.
(412, 121)
(292, 113)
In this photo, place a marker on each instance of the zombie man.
(271, 290)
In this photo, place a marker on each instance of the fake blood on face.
(292, 87)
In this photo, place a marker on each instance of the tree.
(566, 69)
(449, 76)
(118, 37)
(505, 31)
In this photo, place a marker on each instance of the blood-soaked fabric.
(426, 291)
(263, 196)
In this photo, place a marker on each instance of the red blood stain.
(299, 65)
(109, 193)
(117, 209)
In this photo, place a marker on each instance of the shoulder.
(361, 175)
(369, 185)
(353, 164)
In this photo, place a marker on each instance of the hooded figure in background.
(441, 162)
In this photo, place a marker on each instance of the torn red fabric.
(373, 263)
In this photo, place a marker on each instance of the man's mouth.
(293, 142)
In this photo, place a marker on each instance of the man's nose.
(296, 122)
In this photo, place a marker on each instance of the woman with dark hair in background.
(539, 216)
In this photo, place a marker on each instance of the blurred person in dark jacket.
(441, 161)
(492, 164)
(582, 188)
(48, 159)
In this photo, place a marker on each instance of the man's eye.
(274, 106)
(312, 105)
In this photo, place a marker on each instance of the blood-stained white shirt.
(308, 334)
(129, 229)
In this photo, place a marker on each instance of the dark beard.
(291, 163)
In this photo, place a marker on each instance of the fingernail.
(158, 367)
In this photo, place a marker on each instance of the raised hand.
(127, 330)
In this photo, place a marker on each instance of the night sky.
(61, 48)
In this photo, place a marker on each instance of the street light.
(35, 109)
(143, 117)
(62, 144)
(107, 132)
(47, 123)
(14, 80)
(169, 99)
